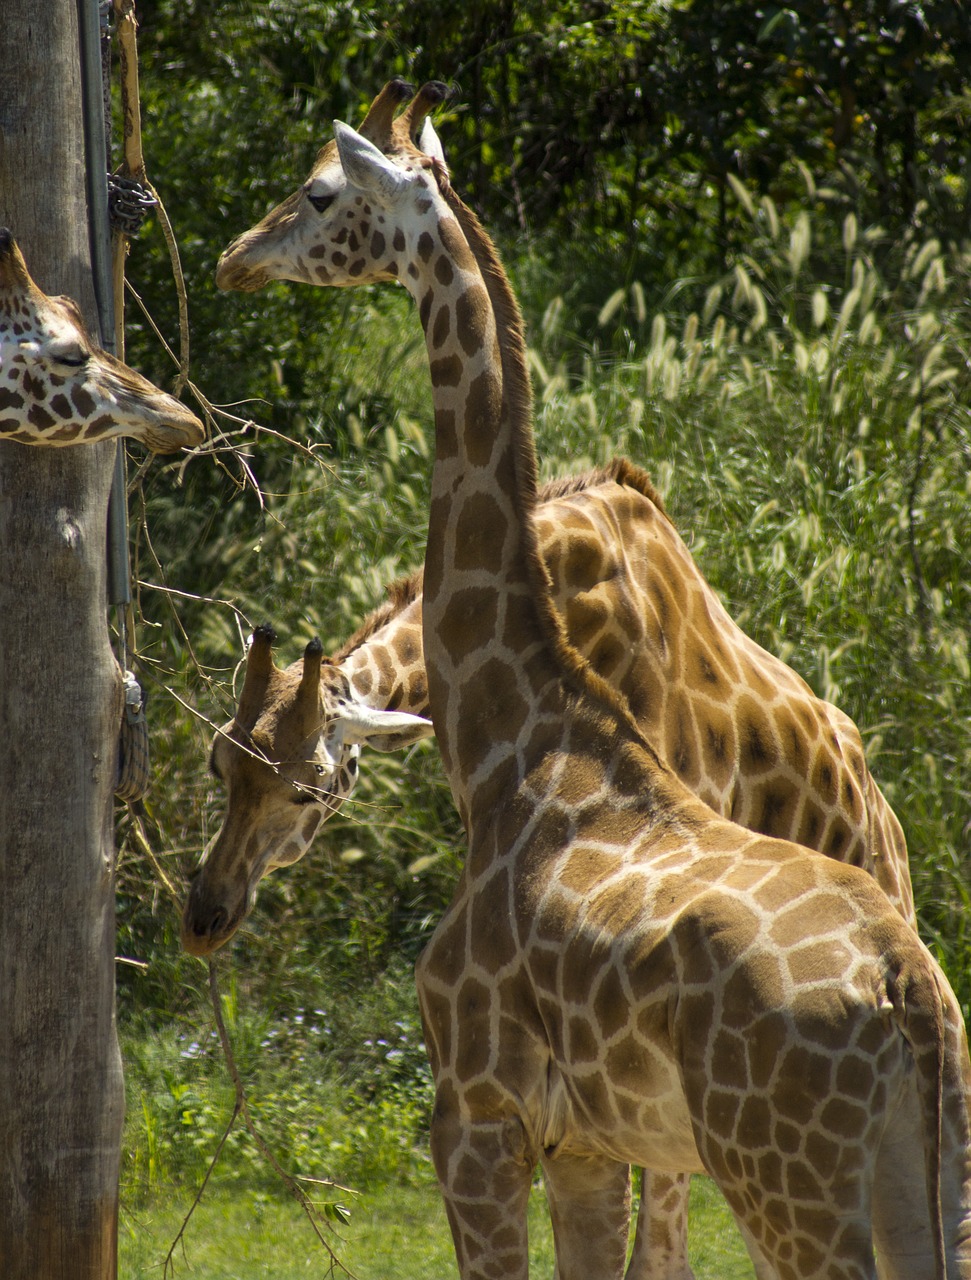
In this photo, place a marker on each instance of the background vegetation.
(740, 236)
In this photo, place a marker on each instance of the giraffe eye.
(321, 203)
(73, 357)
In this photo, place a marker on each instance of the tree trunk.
(61, 1094)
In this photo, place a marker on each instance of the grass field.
(394, 1231)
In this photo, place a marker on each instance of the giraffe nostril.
(217, 922)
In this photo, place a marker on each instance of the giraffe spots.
(611, 1004)
(10, 399)
(309, 826)
(406, 646)
(425, 308)
(39, 417)
(754, 1131)
(444, 271)
(810, 825)
(338, 258)
(607, 656)
(544, 969)
(756, 985)
(824, 780)
(721, 1108)
(493, 945)
(456, 245)
(680, 746)
(442, 327)
(446, 371)
(806, 1076)
(479, 540)
(616, 909)
(425, 246)
(398, 243)
(482, 412)
(844, 1117)
(817, 961)
(377, 244)
(356, 268)
(318, 251)
(490, 709)
(446, 437)
(472, 310)
(755, 737)
(625, 1065)
(838, 841)
(98, 427)
(473, 1039)
(469, 619)
(586, 618)
(854, 1079)
(730, 1059)
(775, 807)
(767, 1039)
(353, 241)
(61, 405)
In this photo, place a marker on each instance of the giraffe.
(289, 756)
(623, 976)
(618, 567)
(285, 245)
(58, 388)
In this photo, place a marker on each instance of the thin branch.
(242, 1108)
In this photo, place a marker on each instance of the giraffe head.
(57, 387)
(345, 225)
(288, 759)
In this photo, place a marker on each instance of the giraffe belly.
(650, 1128)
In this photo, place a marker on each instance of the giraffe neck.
(482, 568)
(494, 644)
(384, 660)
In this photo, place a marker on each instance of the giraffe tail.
(919, 995)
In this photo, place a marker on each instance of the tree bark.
(61, 1093)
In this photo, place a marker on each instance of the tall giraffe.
(287, 245)
(739, 727)
(623, 976)
(58, 388)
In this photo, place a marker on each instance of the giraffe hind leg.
(589, 1200)
(660, 1249)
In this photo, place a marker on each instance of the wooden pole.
(61, 1094)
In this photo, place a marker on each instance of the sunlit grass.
(393, 1231)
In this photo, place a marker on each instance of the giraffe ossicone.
(58, 388)
(622, 977)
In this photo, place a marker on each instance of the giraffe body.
(622, 975)
(58, 388)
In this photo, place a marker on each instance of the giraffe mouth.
(238, 276)
(174, 434)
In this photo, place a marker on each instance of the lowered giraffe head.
(288, 759)
(337, 228)
(57, 387)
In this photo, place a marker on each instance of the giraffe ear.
(366, 166)
(382, 730)
(430, 143)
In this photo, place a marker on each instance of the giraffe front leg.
(589, 1199)
(485, 1172)
(661, 1237)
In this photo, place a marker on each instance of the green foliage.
(340, 1092)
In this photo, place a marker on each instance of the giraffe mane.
(620, 470)
(400, 593)
(518, 404)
